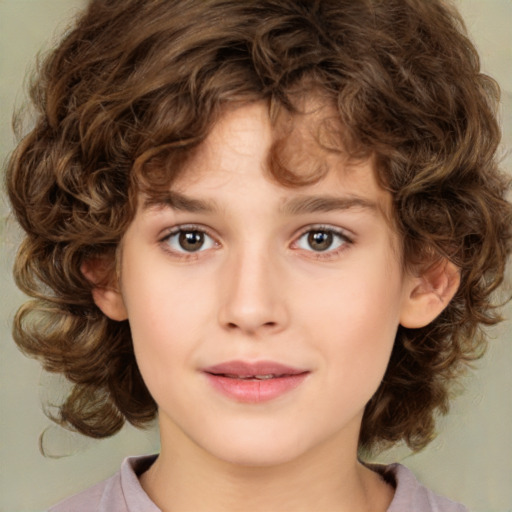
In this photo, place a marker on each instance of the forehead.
(300, 155)
(295, 150)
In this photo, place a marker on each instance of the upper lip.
(251, 369)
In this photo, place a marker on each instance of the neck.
(184, 477)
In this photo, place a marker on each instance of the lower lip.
(255, 391)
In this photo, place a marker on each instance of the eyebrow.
(295, 206)
(314, 204)
(178, 201)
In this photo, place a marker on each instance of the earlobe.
(110, 302)
(106, 295)
(429, 294)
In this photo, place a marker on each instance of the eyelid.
(174, 230)
(326, 227)
(329, 253)
(186, 227)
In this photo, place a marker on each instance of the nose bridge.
(253, 298)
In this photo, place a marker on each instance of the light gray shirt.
(123, 492)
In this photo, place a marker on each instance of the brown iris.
(191, 241)
(320, 240)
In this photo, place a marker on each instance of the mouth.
(252, 377)
(254, 382)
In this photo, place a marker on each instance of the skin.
(257, 289)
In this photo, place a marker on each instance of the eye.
(191, 240)
(322, 240)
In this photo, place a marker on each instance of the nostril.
(269, 325)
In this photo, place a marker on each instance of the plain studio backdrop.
(470, 461)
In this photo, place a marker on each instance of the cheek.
(356, 317)
(358, 300)
(167, 312)
(158, 297)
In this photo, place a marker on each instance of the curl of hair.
(136, 86)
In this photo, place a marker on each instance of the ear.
(429, 294)
(106, 293)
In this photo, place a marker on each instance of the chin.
(258, 458)
(256, 451)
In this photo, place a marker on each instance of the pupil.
(320, 240)
(191, 240)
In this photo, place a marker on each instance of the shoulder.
(412, 495)
(89, 499)
(120, 493)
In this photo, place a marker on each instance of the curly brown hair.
(136, 86)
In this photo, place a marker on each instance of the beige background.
(471, 461)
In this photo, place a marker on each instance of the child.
(277, 224)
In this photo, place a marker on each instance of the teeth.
(251, 377)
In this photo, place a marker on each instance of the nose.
(253, 294)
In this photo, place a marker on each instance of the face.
(263, 317)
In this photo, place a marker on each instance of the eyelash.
(337, 233)
(340, 234)
(188, 228)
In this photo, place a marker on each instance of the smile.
(258, 377)
(254, 382)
